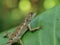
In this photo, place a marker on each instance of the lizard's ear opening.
(16, 43)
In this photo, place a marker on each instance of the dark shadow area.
(16, 43)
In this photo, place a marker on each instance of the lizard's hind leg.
(20, 41)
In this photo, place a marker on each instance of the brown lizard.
(22, 28)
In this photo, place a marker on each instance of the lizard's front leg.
(32, 29)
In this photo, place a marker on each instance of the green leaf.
(49, 34)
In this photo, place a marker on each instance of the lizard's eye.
(31, 14)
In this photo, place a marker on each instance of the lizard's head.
(31, 16)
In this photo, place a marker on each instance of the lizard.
(21, 29)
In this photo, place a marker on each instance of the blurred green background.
(12, 12)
